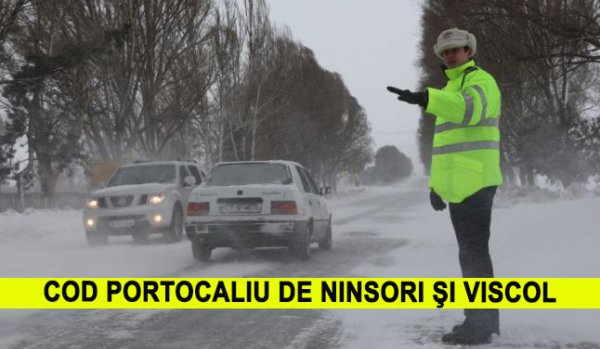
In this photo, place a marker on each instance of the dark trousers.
(471, 220)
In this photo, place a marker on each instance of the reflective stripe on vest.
(482, 98)
(470, 106)
(450, 126)
(455, 148)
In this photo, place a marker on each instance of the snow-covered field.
(552, 239)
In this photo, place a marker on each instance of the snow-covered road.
(380, 232)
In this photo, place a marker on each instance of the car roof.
(281, 162)
(146, 163)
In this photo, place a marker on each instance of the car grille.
(102, 202)
(121, 201)
(136, 217)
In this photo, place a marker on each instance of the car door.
(308, 195)
(194, 171)
(312, 197)
(323, 211)
(184, 190)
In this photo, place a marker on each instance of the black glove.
(407, 96)
(436, 201)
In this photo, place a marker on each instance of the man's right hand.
(419, 98)
(436, 201)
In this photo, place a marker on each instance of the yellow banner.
(299, 293)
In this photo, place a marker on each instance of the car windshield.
(143, 174)
(249, 173)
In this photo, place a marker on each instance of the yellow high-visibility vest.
(466, 142)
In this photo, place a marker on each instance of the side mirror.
(189, 181)
(325, 190)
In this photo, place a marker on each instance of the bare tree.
(145, 93)
(37, 97)
(10, 11)
(227, 43)
(174, 68)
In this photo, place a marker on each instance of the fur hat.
(452, 38)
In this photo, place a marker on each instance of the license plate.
(240, 208)
(124, 223)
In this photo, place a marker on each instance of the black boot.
(489, 318)
(467, 335)
(457, 327)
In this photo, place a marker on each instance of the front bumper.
(250, 233)
(126, 222)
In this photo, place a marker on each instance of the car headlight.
(156, 199)
(92, 203)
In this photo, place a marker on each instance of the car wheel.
(96, 238)
(201, 251)
(301, 244)
(175, 231)
(326, 242)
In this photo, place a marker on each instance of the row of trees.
(544, 55)
(391, 166)
(96, 80)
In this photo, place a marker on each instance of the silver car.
(140, 199)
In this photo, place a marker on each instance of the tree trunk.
(48, 179)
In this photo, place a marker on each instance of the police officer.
(465, 165)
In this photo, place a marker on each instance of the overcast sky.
(371, 44)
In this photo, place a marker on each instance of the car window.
(314, 186)
(183, 172)
(249, 173)
(311, 184)
(304, 179)
(194, 171)
(143, 174)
